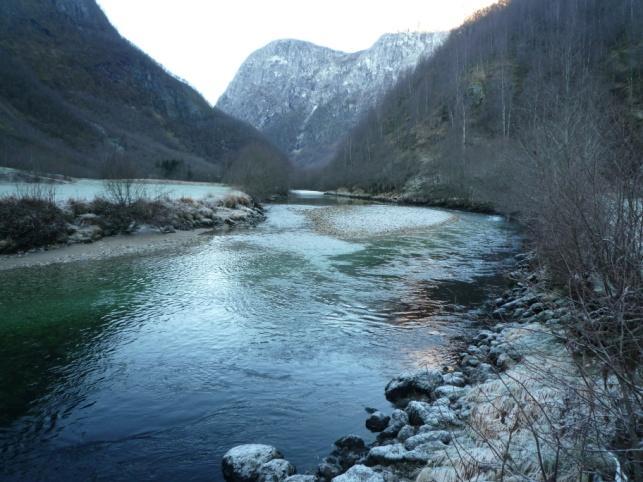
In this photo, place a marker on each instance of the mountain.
(305, 97)
(75, 95)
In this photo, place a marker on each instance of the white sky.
(205, 41)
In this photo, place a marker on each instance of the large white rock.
(243, 462)
(359, 473)
(277, 470)
(421, 413)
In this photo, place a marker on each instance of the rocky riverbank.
(513, 408)
(414, 199)
(111, 229)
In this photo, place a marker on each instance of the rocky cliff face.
(75, 95)
(305, 97)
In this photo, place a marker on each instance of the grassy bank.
(32, 221)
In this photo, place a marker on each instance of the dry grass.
(530, 422)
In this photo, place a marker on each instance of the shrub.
(233, 200)
(27, 222)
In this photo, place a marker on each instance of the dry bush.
(28, 222)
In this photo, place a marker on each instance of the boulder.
(386, 455)
(327, 470)
(421, 413)
(360, 473)
(348, 451)
(450, 391)
(427, 437)
(416, 385)
(243, 462)
(350, 442)
(454, 378)
(398, 419)
(405, 433)
(377, 421)
(301, 478)
(277, 470)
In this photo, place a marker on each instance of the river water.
(150, 368)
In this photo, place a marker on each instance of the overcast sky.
(205, 41)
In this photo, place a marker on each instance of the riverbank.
(517, 406)
(99, 229)
(407, 199)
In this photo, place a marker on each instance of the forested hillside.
(519, 86)
(75, 96)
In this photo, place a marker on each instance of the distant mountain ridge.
(305, 98)
(74, 94)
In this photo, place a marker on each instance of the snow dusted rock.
(348, 451)
(398, 419)
(243, 462)
(397, 454)
(301, 478)
(416, 385)
(327, 470)
(305, 97)
(277, 470)
(405, 433)
(360, 473)
(377, 421)
(438, 474)
(350, 442)
(386, 454)
(450, 391)
(454, 378)
(427, 437)
(421, 413)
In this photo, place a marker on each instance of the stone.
(386, 454)
(359, 473)
(377, 422)
(406, 432)
(327, 471)
(398, 419)
(450, 391)
(301, 478)
(242, 463)
(348, 451)
(454, 378)
(421, 413)
(277, 470)
(423, 453)
(350, 442)
(504, 361)
(416, 385)
(427, 437)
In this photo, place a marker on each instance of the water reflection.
(151, 367)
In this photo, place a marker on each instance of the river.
(151, 367)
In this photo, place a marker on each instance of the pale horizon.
(219, 37)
